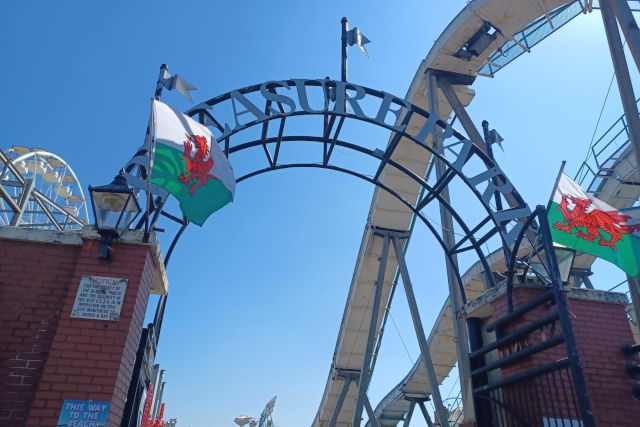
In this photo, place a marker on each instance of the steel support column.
(628, 25)
(341, 397)
(470, 129)
(363, 384)
(407, 418)
(372, 416)
(458, 108)
(22, 203)
(459, 327)
(417, 325)
(425, 414)
(4, 194)
(622, 75)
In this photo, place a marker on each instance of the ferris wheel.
(38, 189)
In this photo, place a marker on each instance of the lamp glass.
(114, 209)
(564, 258)
(565, 262)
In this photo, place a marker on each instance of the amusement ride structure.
(265, 420)
(40, 190)
(269, 127)
(423, 159)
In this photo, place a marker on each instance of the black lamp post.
(115, 206)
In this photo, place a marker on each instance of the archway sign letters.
(258, 117)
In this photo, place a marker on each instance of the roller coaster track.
(611, 173)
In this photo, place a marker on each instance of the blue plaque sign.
(84, 413)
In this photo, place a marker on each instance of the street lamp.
(564, 258)
(115, 206)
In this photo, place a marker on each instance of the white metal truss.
(38, 189)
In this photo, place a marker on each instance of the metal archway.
(241, 122)
(413, 125)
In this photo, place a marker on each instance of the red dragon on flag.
(187, 162)
(589, 225)
(594, 220)
(199, 166)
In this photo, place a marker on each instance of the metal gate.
(530, 374)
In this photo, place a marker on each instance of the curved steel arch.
(412, 125)
(404, 117)
(398, 130)
(378, 184)
(404, 114)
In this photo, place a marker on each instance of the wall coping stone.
(474, 308)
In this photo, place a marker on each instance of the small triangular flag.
(177, 83)
(495, 137)
(355, 36)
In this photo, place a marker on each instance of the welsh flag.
(581, 222)
(188, 164)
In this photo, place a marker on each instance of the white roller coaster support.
(459, 328)
(622, 74)
(612, 9)
(628, 25)
(509, 17)
(425, 354)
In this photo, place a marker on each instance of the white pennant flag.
(177, 83)
(355, 36)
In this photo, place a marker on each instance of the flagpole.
(553, 191)
(156, 96)
(160, 83)
(343, 63)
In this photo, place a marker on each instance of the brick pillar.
(30, 299)
(601, 329)
(46, 356)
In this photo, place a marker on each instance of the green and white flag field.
(189, 164)
(581, 222)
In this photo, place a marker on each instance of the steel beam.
(43, 199)
(372, 416)
(425, 414)
(417, 325)
(470, 129)
(459, 327)
(363, 384)
(628, 25)
(341, 397)
(489, 140)
(458, 108)
(8, 199)
(622, 75)
(22, 203)
(407, 418)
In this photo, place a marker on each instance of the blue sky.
(257, 294)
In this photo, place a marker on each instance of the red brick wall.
(600, 329)
(45, 355)
(31, 298)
